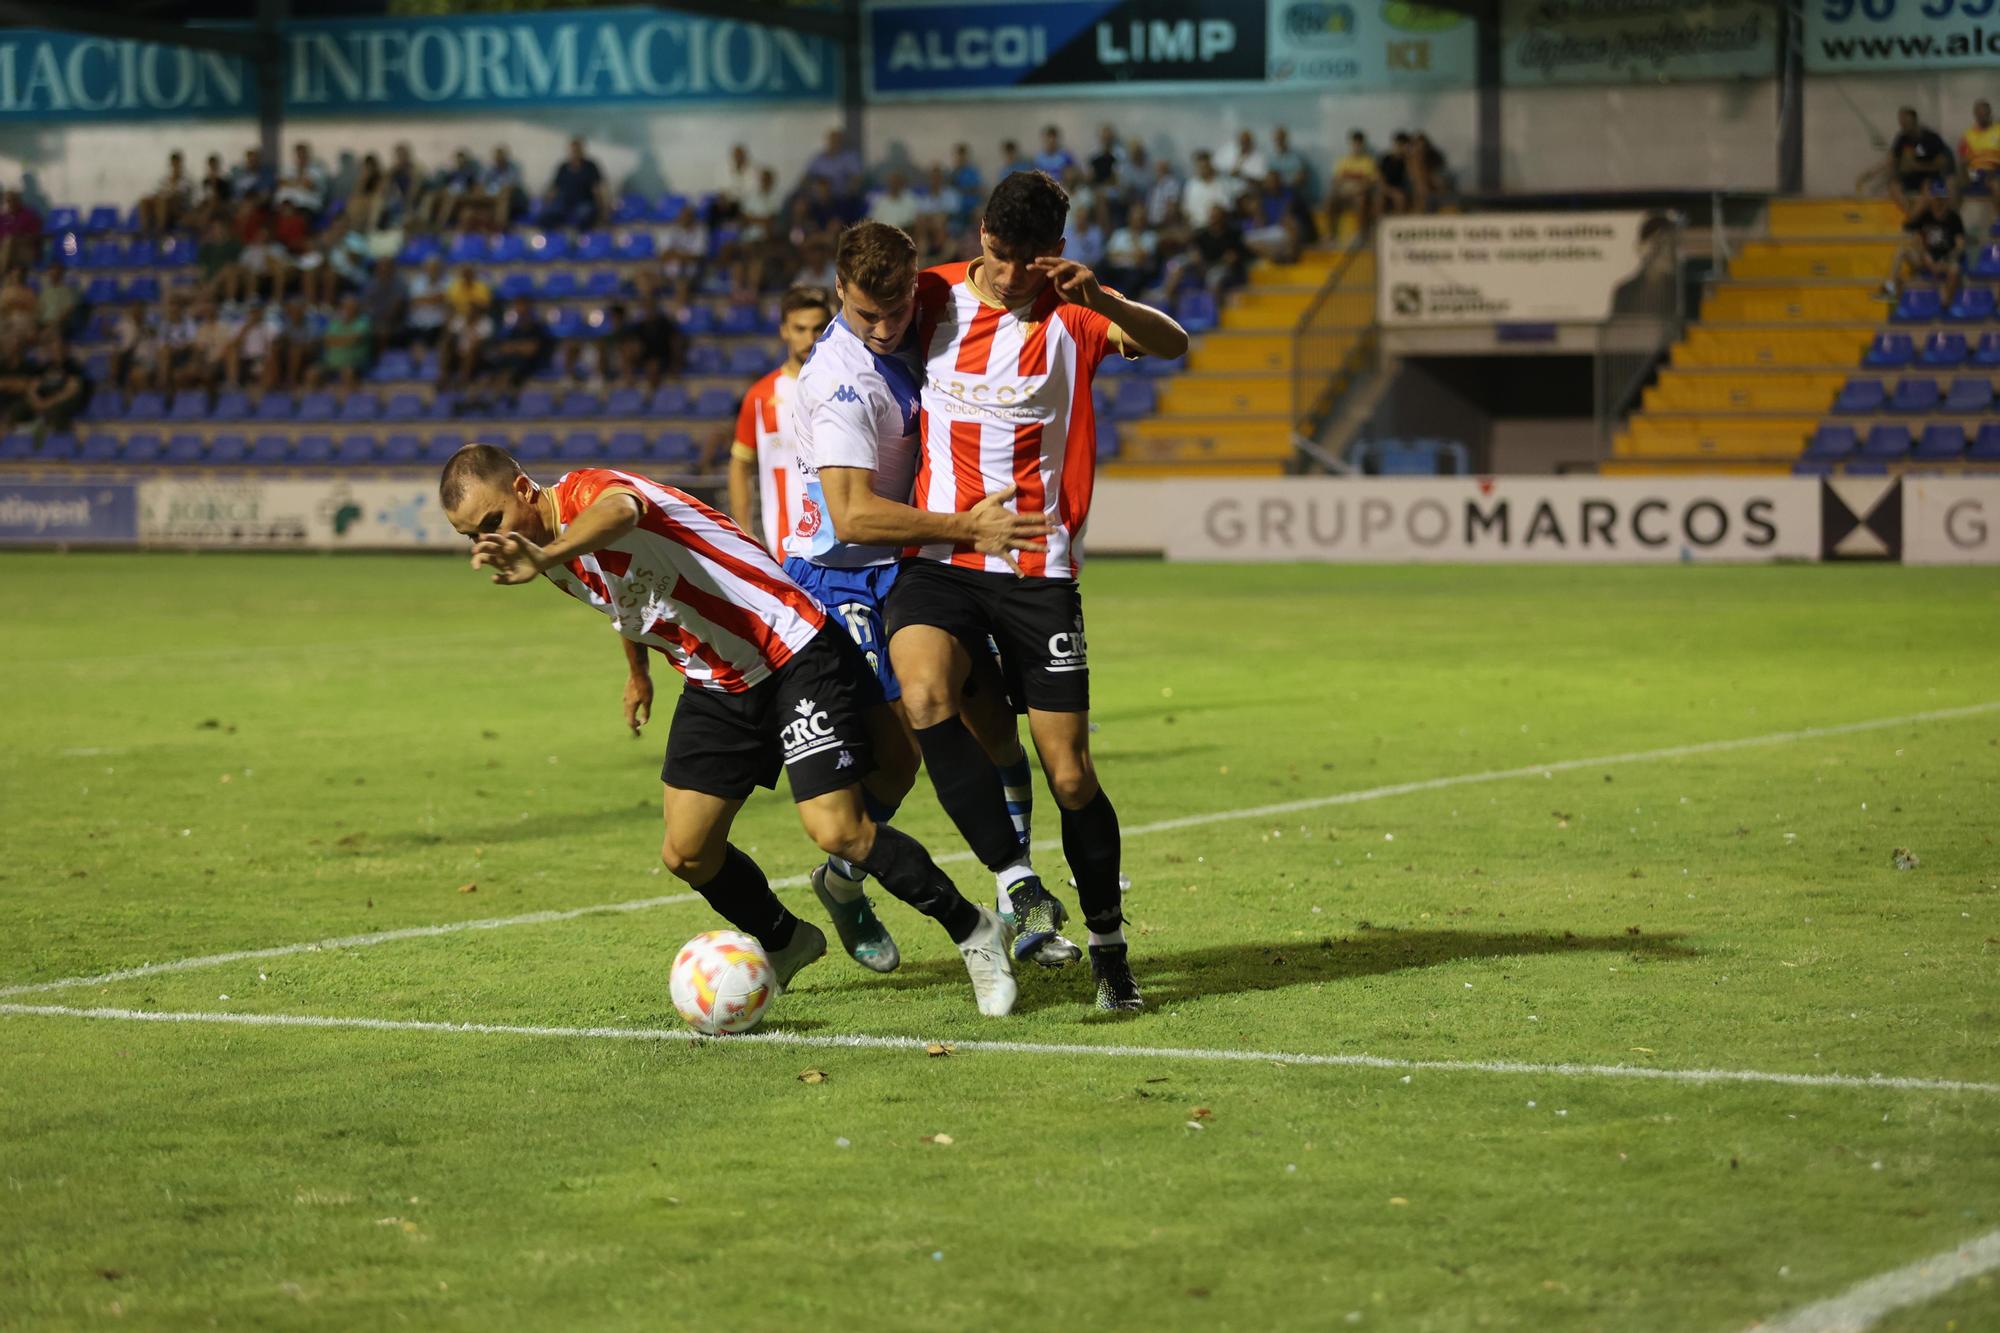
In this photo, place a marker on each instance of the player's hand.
(1074, 282)
(511, 557)
(638, 702)
(998, 530)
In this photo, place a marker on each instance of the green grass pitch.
(205, 754)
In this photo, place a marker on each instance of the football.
(722, 982)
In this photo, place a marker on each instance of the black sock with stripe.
(742, 896)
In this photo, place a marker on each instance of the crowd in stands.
(1935, 188)
(299, 279)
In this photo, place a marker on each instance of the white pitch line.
(1862, 1306)
(876, 1043)
(1133, 831)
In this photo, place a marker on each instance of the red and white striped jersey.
(764, 429)
(688, 583)
(1007, 403)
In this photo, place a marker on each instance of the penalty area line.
(878, 1043)
(1863, 1305)
(1044, 844)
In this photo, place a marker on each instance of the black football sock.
(1090, 844)
(968, 787)
(742, 896)
(900, 864)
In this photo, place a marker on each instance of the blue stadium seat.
(535, 446)
(1830, 444)
(715, 403)
(104, 405)
(637, 246)
(700, 320)
(625, 403)
(669, 207)
(550, 371)
(393, 364)
(405, 407)
(1986, 444)
(146, 405)
(1133, 397)
(1941, 442)
(1919, 305)
(177, 251)
(269, 449)
(1944, 349)
(560, 285)
(89, 255)
(101, 448)
(1886, 443)
(580, 446)
(1114, 366)
(416, 250)
(516, 285)
(507, 248)
(625, 446)
(1969, 394)
(144, 450)
(187, 447)
(62, 218)
(740, 318)
(630, 208)
(534, 404)
(603, 284)
(579, 403)
(1196, 310)
(674, 446)
(749, 359)
(16, 445)
(1915, 395)
(142, 253)
(1987, 355)
(58, 448)
(101, 291)
(545, 247)
(143, 288)
(1985, 262)
(318, 405)
(704, 359)
(1107, 438)
(1973, 306)
(669, 400)
(225, 450)
(1158, 369)
(1806, 467)
(313, 450)
(593, 247)
(466, 248)
(441, 445)
(567, 324)
(361, 406)
(189, 405)
(102, 219)
(1860, 395)
(399, 450)
(231, 405)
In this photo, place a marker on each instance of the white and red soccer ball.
(721, 983)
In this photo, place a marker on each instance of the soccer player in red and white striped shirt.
(771, 685)
(762, 459)
(1011, 341)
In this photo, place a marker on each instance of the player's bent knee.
(839, 827)
(1073, 782)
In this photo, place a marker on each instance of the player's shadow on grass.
(1169, 976)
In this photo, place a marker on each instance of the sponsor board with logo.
(1367, 45)
(253, 513)
(64, 513)
(1636, 41)
(1951, 521)
(1487, 268)
(1845, 36)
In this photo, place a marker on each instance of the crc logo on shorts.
(1067, 650)
(810, 733)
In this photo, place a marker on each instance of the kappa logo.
(846, 394)
(809, 734)
(846, 760)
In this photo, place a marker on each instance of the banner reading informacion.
(249, 512)
(1859, 36)
(1636, 41)
(1485, 268)
(34, 513)
(929, 49)
(464, 62)
(1369, 46)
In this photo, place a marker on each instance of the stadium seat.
(269, 449)
(102, 220)
(226, 450)
(100, 448)
(545, 247)
(580, 446)
(146, 405)
(704, 359)
(603, 284)
(560, 285)
(625, 446)
(630, 208)
(1985, 262)
(144, 288)
(1196, 310)
(1918, 305)
(535, 404)
(186, 447)
(1944, 350)
(141, 253)
(749, 359)
(1986, 444)
(466, 248)
(637, 246)
(579, 403)
(1915, 395)
(101, 291)
(625, 403)
(669, 400)
(715, 403)
(144, 450)
(1941, 442)
(1969, 394)
(1886, 443)
(361, 407)
(536, 446)
(1114, 366)
(416, 250)
(1987, 355)
(674, 446)
(274, 406)
(1158, 369)
(16, 445)
(88, 255)
(61, 447)
(189, 405)
(230, 405)
(506, 248)
(1973, 306)
(515, 286)
(1107, 438)
(1807, 467)
(1860, 396)
(318, 405)
(405, 407)
(567, 324)
(393, 364)
(593, 247)
(698, 321)
(313, 450)
(104, 405)
(1133, 397)
(62, 218)
(738, 320)
(669, 207)
(401, 450)
(1830, 444)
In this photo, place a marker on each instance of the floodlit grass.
(208, 754)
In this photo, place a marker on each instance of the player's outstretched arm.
(514, 559)
(742, 485)
(866, 519)
(1154, 332)
(638, 687)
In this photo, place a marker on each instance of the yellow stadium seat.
(1779, 304)
(1834, 217)
(1708, 345)
(1769, 391)
(1196, 394)
(1227, 351)
(1861, 260)
(1718, 436)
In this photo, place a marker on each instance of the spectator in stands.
(386, 298)
(135, 348)
(403, 187)
(1918, 155)
(944, 202)
(171, 200)
(1241, 159)
(1290, 164)
(1979, 155)
(18, 305)
(896, 205)
(20, 231)
(965, 177)
(1933, 244)
(305, 185)
(470, 303)
(254, 178)
(684, 253)
(1392, 169)
(520, 346)
(216, 259)
(17, 376)
(576, 196)
(1430, 181)
(1135, 174)
(758, 213)
(295, 344)
(648, 347)
(502, 196)
(1086, 233)
(59, 306)
(180, 354)
(1054, 158)
(347, 348)
(1269, 230)
(827, 212)
(1163, 197)
(453, 188)
(1012, 159)
(1130, 253)
(1076, 184)
(1208, 190)
(1359, 187)
(815, 263)
(58, 391)
(250, 358)
(338, 265)
(838, 165)
(1109, 157)
(739, 177)
(291, 228)
(215, 336)
(262, 269)
(369, 200)
(1217, 257)
(427, 310)
(214, 195)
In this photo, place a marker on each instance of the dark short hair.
(877, 258)
(1027, 212)
(1906, 111)
(487, 463)
(805, 298)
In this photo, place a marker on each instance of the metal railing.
(1324, 360)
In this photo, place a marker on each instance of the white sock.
(842, 880)
(1007, 876)
(1115, 937)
